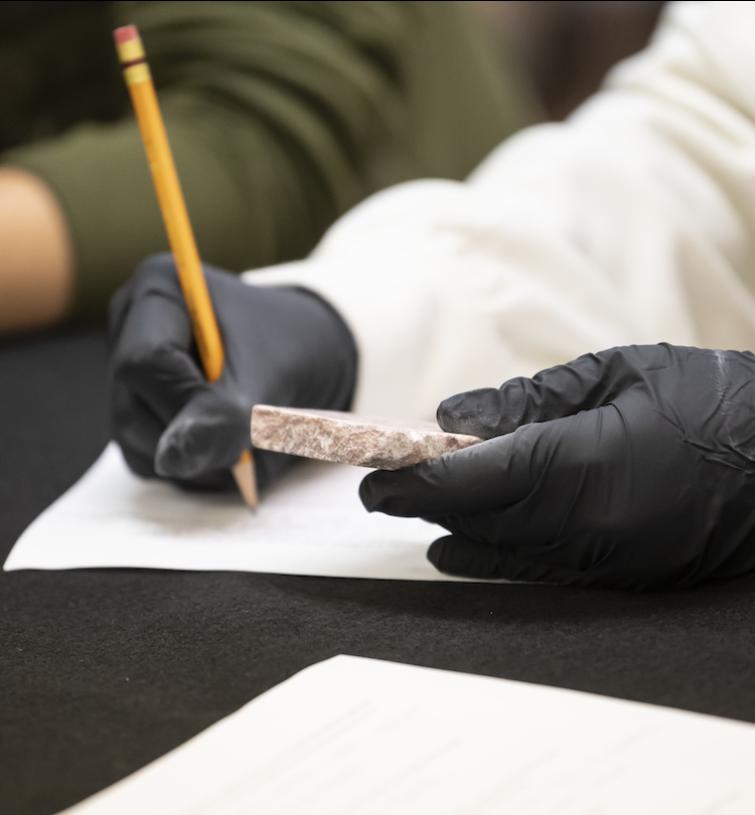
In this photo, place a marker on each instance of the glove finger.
(136, 429)
(153, 349)
(119, 306)
(154, 286)
(166, 379)
(465, 558)
(207, 435)
(461, 557)
(485, 476)
(140, 465)
(527, 539)
(215, 481)
(587, 382)
(572, 525)
(525, 485)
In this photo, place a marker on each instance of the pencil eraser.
(126, 33)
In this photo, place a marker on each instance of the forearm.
(36, 269)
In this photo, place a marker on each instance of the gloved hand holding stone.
(283, 346)
(633, 467)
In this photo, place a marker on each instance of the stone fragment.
(347, 438)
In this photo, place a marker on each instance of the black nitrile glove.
(283, 346)
(634, 468)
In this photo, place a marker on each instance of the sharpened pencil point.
(246, 481)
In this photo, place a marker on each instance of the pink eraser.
(125, 34)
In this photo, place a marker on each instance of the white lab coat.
(632, 222)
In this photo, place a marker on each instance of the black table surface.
(102, 671)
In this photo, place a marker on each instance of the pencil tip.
(243, 474)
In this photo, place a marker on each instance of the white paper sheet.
(312, 523)
(353, 735)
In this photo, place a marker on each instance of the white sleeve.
(632, 222)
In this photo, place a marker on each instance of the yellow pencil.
(176, 218)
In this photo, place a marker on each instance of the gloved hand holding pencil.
(283, 346)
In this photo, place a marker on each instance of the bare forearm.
(36, 264)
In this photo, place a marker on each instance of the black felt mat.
(103, 671)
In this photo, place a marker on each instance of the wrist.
(336, 348)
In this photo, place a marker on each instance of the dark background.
(103, 671)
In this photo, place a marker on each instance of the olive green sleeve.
(281, 116)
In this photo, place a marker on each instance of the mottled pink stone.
(346, 438)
